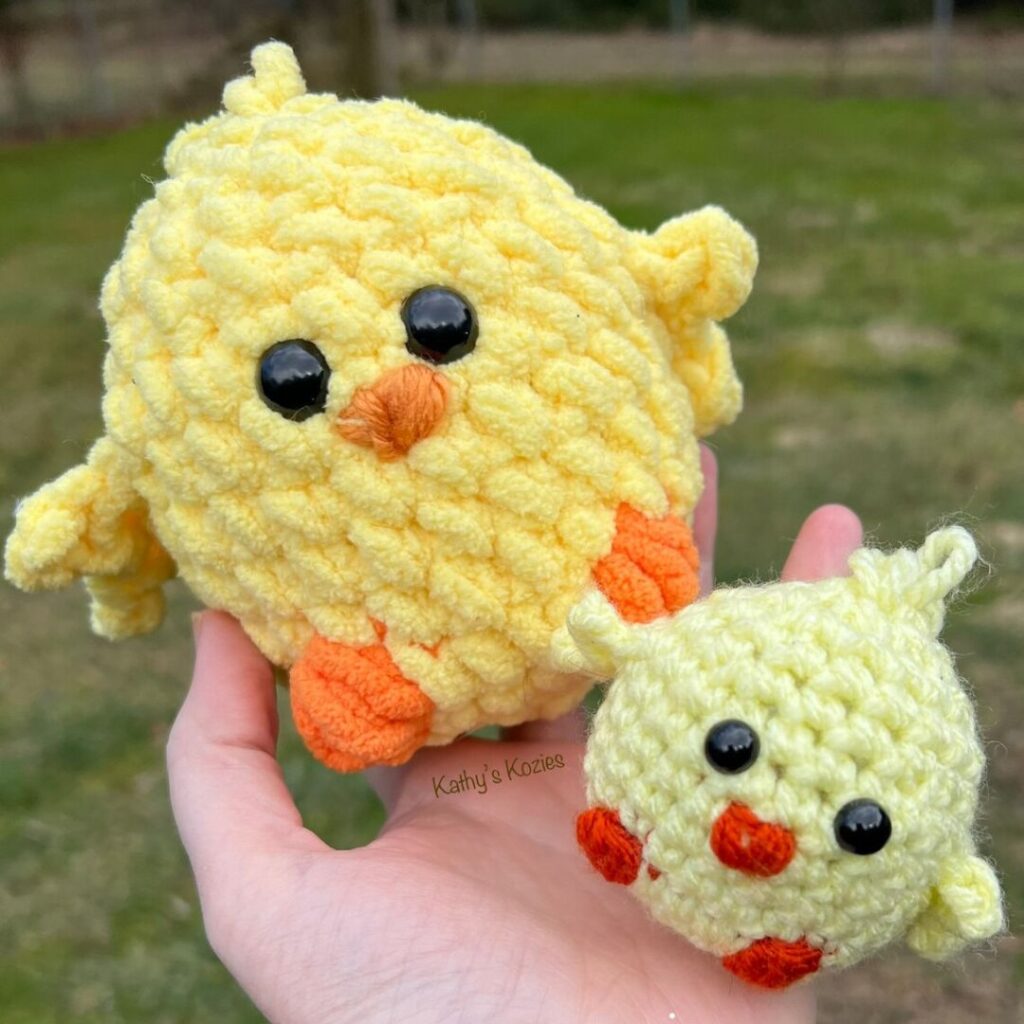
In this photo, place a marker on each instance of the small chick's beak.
(742, 841)
(403, 406)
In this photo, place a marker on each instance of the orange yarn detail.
(774, 963)
(403, 406)
(741, 840)
(613, 851)
(382, 631)
(354, 708)
(652, 568)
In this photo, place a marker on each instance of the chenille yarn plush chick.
(385, 389)
(788, 775)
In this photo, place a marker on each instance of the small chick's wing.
(90, 522)
(696, 270)
(595, 640)
(966, 906)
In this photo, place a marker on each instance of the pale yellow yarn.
(599, 363)
(852, 696)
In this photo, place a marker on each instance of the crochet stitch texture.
(457, 544)
(852, 698)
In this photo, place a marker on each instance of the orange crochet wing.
(652, 569)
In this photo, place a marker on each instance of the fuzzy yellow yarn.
(599, 363)
(852, 697)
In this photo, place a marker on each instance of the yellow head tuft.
(276, 78)
(918, 583)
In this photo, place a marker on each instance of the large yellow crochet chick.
(385, 389)
(788, 775)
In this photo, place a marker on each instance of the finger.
(571, 728)
(227, 791)
(705, 519)
(388, 782)
(823, 547)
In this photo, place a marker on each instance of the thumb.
(227, 791)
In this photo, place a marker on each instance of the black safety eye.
(293, 377)
(731, 746)
(440, 325)
(862, 827)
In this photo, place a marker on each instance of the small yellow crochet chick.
(385, 389)
(788, 775)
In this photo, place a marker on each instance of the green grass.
(882, 355)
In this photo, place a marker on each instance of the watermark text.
(480, 782)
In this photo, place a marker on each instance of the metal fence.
(76, 64)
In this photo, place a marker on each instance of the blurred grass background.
(882, 355)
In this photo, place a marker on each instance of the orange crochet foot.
(354, 708)
(774, 963)
(651, 570)
(612, 850)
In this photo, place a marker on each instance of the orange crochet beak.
(742, 841)
(402, 407)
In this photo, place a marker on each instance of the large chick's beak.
(742, 841)
(403, 406)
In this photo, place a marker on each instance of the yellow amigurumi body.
(788, 775)
(388, 391)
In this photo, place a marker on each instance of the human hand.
(472, 907)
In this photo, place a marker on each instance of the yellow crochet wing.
(965, 906)
(91, 522)
(698, 269)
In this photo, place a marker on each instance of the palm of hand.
(469, 906)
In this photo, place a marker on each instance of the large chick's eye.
(293, 377)
(731, 746)
(862, 827)
(440, 325)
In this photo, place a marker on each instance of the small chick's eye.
(440, 325)
(731, 746)
(862, 827)
(293, 377)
